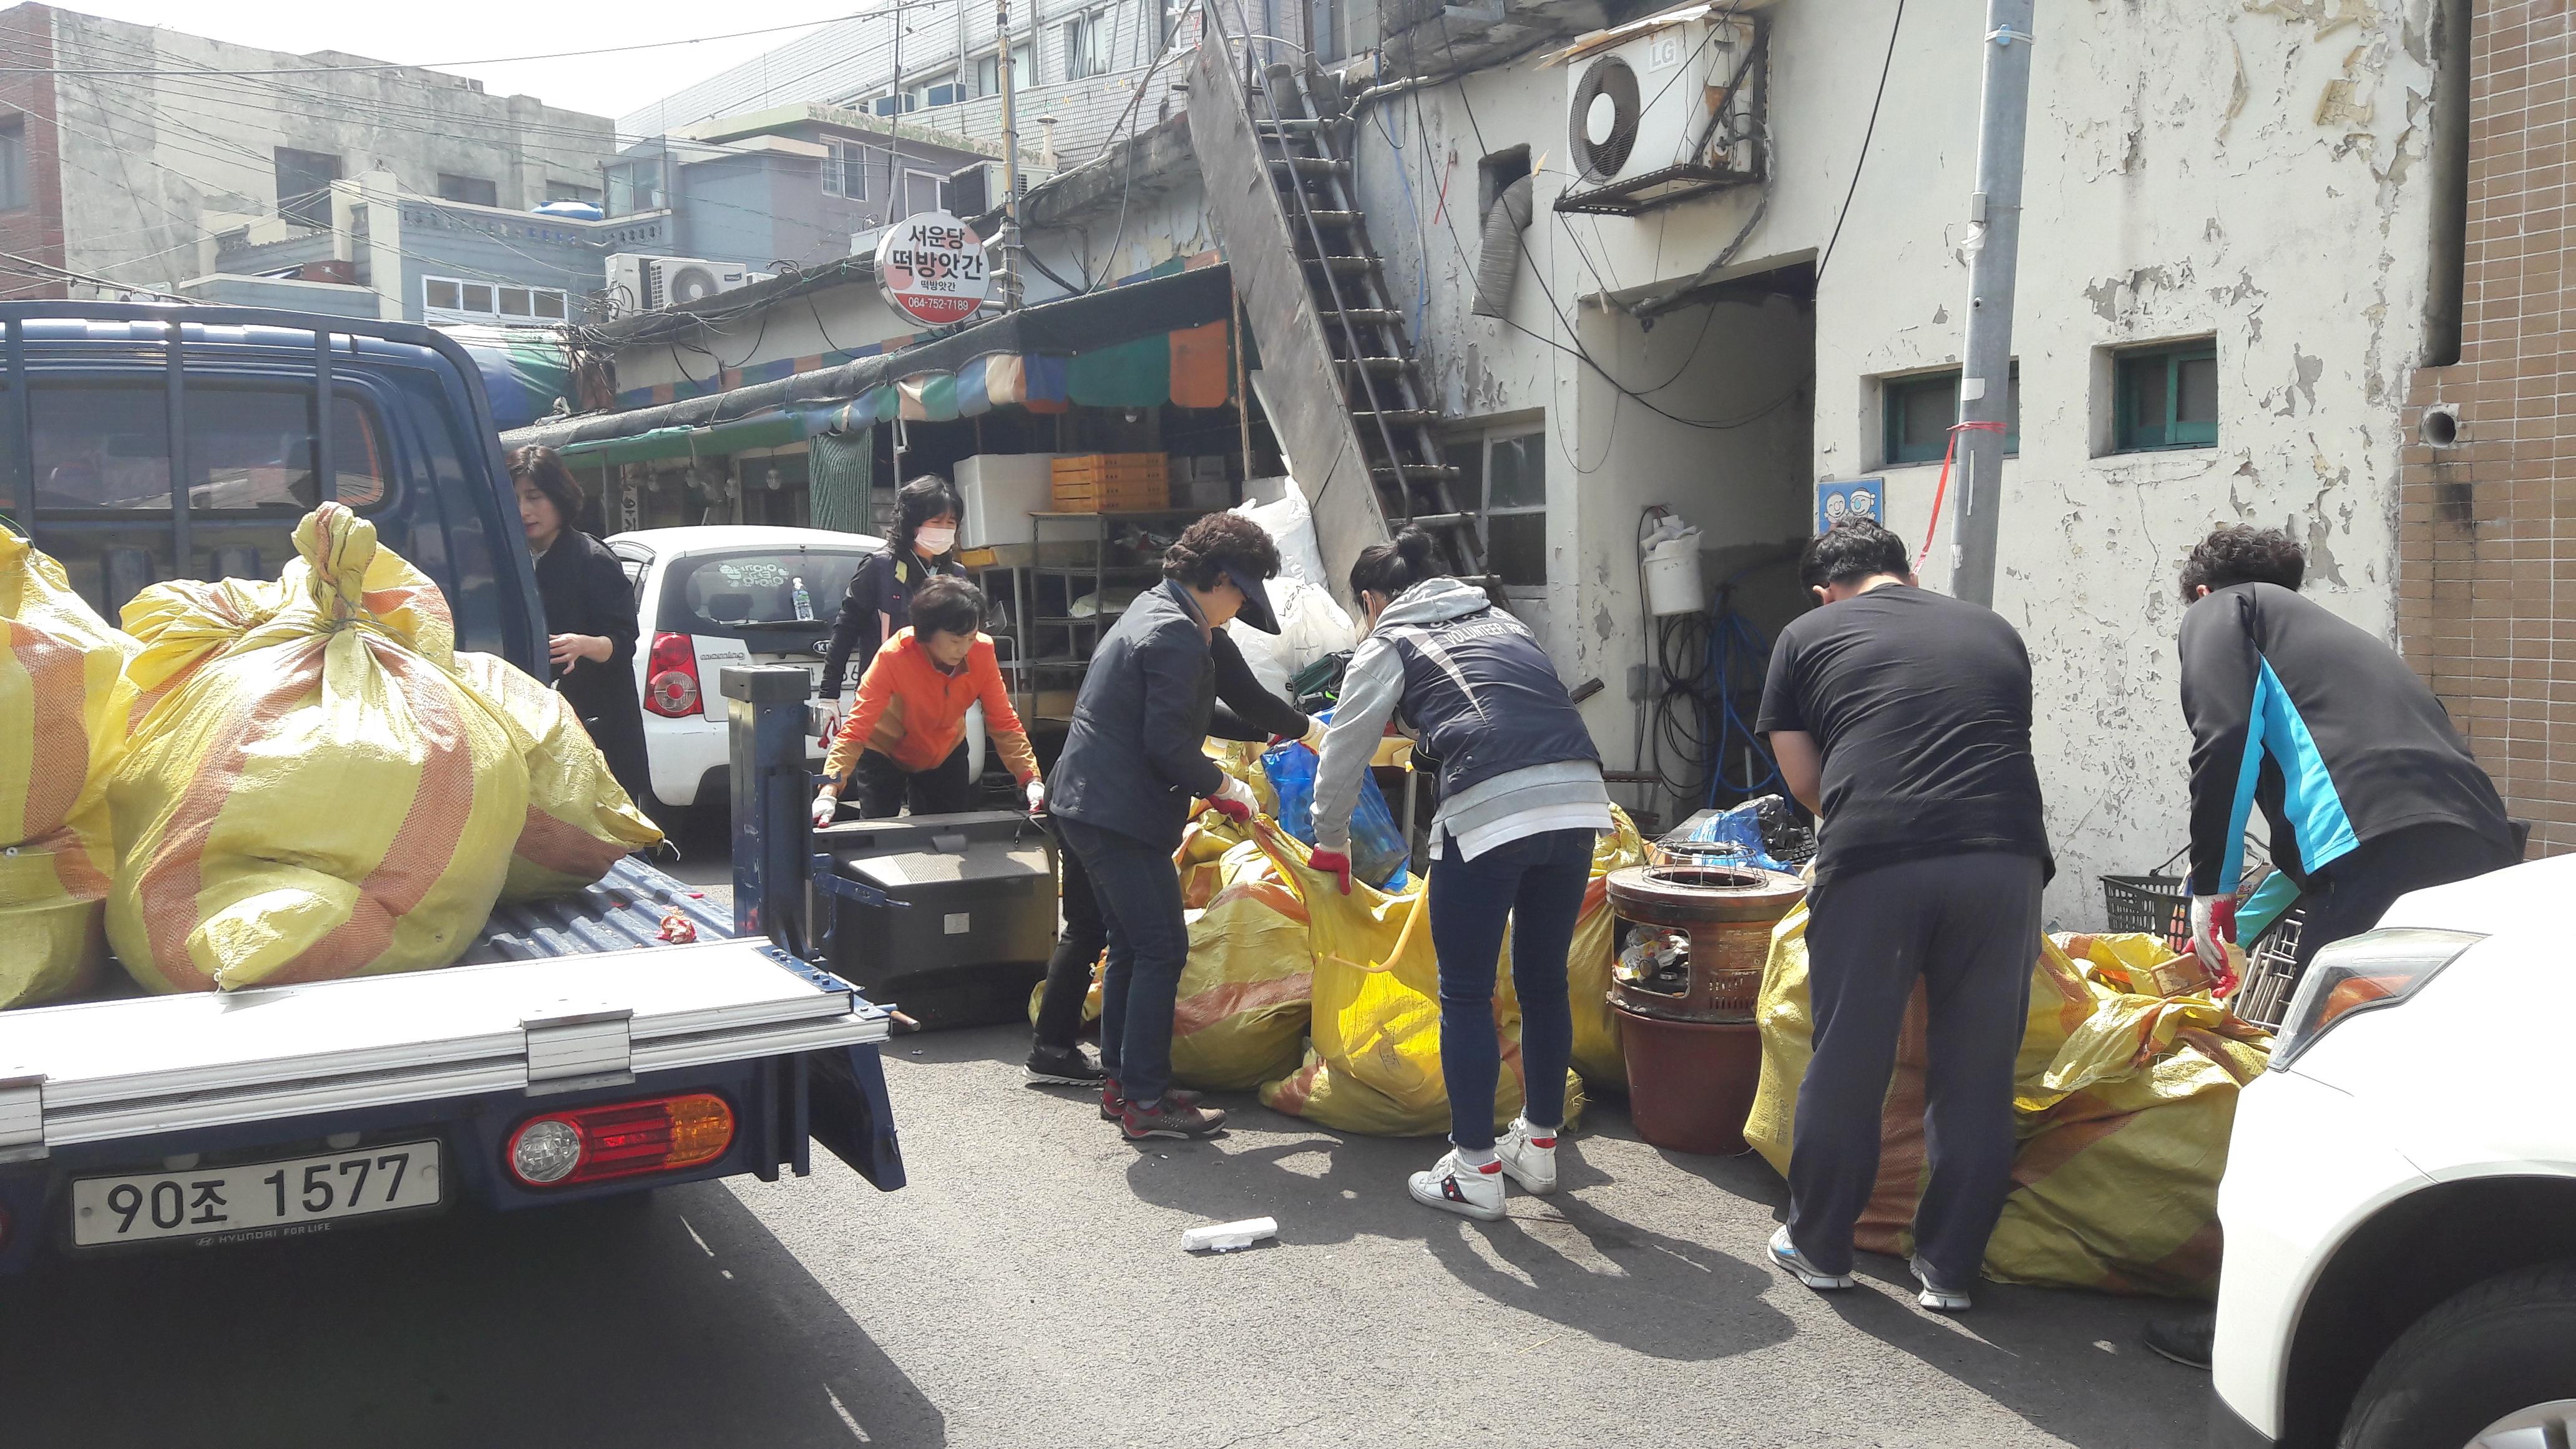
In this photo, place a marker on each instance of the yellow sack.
(59, 663)
(319, 798)
(1375, 1065)
(2123, 1106)
(580, 820)
(1595, 954)
(1248, 989)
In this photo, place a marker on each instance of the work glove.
(827, 807)
(1334, 863)
(2213, 929)
(1316, 729)
(1037, 797)
(1234, 800)
(825, 715)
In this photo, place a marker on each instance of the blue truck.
(586, 1046)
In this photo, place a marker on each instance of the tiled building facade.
(2487, 522)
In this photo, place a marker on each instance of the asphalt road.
(1029, 1289)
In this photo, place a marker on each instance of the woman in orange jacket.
(906, 736)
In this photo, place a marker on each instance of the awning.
(1140, 345)
(525, 370)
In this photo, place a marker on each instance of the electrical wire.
(1884, 67)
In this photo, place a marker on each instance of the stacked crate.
(1111, 483)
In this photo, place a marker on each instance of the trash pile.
(2124, 1098)
(267, 783)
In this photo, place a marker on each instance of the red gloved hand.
(1235, 801)
(1335, 863)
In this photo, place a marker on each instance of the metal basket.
(2271, 974)
(2158, 905)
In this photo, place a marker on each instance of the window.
(635, 186)
(567, 191)
(448, 299)
(2167, 396)
(108, 446)
(472, 190)
(1920, 409)
(940, 90)
(727, 593)
(304, 186)
(920, 191)
(14, 192)
(845, 170)
(1504, 476)
(1086, 46)
(988, 72)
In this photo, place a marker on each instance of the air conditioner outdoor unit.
(974, 190)
(647, 284)
(1662, 110)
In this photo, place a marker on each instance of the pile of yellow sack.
(284, 782)
(2125, 1102)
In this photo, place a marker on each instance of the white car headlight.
(2364, 973)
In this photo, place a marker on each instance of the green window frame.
(1919, 409)
(2167, 397)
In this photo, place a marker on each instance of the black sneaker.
(1170, 1117)
(1065, 1066)
(2184, 1338)
(1113, 1102)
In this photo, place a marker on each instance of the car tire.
(2504, 1346)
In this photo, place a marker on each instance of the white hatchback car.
(722, 594)
(2400, 1197)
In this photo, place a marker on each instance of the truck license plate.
(248, 1197)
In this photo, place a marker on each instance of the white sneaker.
(1935, 1298)
(1785, 1253)
(1454, 1187)
(1529, 1155)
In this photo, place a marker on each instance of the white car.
(2400, 1197)
(710, 596)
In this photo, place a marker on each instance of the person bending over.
(905, 740)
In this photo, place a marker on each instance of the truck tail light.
(671, 677)
(623, 1139)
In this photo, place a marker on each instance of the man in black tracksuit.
(2368, 790)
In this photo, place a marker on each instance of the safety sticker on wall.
(1850, 498)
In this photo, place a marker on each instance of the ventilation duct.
(1500, 265)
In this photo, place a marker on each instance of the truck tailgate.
(110, 1069)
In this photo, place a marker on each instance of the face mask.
(934, 541)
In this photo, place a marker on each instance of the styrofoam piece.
(1227, 1237)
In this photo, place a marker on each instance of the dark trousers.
(2350, 894)
(1068, 978)
(1536, 884)
(1968, 926)
(885, 787)
(1139, 894)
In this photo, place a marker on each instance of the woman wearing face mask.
(590, 617)
(879, 603)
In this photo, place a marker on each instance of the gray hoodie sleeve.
(1371, 689)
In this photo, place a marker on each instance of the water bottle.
(804, 602)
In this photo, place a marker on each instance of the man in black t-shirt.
(1902, 718)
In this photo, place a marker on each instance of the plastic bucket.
(1691, 1083)
(1672, 577)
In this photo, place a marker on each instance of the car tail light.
(623, 1139)
(2364, 973)
(671, 677)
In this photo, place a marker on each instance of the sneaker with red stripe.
(1113, 1099)
(1528, 1153)
(1454, 1187)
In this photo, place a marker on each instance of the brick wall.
(36, 230)
(2487, 524)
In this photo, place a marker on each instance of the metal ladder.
(1303, 135)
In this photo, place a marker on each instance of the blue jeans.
(1537, 883)
(1149, 942)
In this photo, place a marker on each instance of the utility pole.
(1010, 268)
(1994, 241)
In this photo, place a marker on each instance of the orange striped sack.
(59, 663)
(321, 797)
(580, 820)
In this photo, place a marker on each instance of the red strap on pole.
(1941, 490)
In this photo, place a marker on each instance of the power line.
(1867, 132)
(381, 67)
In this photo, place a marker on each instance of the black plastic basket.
(2159, 905)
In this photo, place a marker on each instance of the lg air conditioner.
(648, 284)
(1662, 110)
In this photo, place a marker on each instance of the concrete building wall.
(145, 158)
(2487, 589)
(2160, 205)
(34, 229)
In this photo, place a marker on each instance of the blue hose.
(1736, 650)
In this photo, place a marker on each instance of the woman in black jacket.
(1121, 796)
(879, 602)
(590, 618)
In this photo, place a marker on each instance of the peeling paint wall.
(2245, 170)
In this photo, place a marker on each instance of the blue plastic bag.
(1741, 830)
(1378, 852)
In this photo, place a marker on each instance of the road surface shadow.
(676, 1320)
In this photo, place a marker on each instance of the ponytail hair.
(1392, 568)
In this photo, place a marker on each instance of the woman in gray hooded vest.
(1520, 801)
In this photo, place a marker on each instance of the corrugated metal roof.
(620, 913)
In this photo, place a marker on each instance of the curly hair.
(946, 605)
(544, 467)
(1854, 548)
(1198, 557)
(2239, 554)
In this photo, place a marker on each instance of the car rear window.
(726, 593)
(108, 446)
